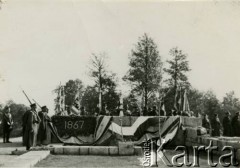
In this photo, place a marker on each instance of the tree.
(97, 71)
(72, 89)
(105, 82)
(211, 104)
(178, 67)
(145, 72)
(195, 98)
(109, 95)
(130, 101)
(17, 111)
(90, 99)
(231, 103)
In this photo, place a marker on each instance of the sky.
(45, 42)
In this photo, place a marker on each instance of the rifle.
(27, 97)
(37, 103)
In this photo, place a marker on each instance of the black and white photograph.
(119, 83)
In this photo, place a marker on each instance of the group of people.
(36, 131)
(150, 111)
(230, 127)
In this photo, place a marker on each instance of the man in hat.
(145, 112)
(31, 122)
(7, 123)
(236, 125)
(206, 123)
(153, 112)
(135, 111)
(82, 111)
(227, 127)
(216, 126)
(41, 136)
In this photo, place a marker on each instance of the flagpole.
(159, 129)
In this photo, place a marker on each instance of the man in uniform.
(7, 124)
(206, 123)
(227, 127)
(31, 122)
(236, 125)
(41, 136)
(216, 126)
(153, 112)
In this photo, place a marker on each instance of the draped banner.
(107, 130)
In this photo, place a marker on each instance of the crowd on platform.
(230, 127)
(36, 131)
(150, 111)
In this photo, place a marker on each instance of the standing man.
(206, 123)
(135, 111)
(145, 112)
(44, 132)
(41, 136)
(7, 123)
(82, 111)
(216, 126)
(153, 112)
(31, 122)
(227, 127)
(236, 125)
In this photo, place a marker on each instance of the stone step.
(97, 150)
(28, 159)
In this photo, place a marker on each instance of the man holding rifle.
(31, 122)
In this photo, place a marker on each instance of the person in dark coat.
(82, 111)
(7, 123)
(43, 125)
(31, 122)
(206, 123)
(216, 126)
(236, 125)
(135, 111)
(174, 112)
(145, 111)
(153, 112)
(103, 111)
(227, 127)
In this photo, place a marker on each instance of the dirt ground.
(108, 161)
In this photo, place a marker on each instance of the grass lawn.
(89, 161)
(110, 161)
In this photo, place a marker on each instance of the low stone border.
(28, 159)
(97, 150)
(195, 140)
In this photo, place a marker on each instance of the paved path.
(28, 159)
(7, 148)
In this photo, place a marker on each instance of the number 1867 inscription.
(73, 124)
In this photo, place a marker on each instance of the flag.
(185, 102)
(175, 99)
(60, 104)
(74, 110)
(180, 101)
(77, 100)
(163, 110)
